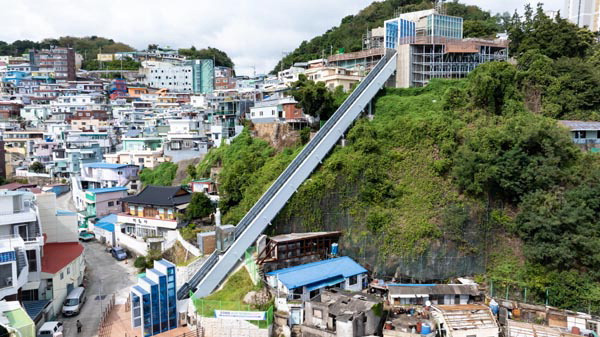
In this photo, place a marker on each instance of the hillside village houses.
(85, 137)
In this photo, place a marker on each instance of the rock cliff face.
(279, 135)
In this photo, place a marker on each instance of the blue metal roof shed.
(318, 274)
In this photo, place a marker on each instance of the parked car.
(51, 329)
(86, 236)
(118, 253)
(74, 301)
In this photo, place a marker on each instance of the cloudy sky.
(255, 33)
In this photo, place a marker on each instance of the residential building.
(21, 242)
(335, 76)
(10, 109)
(153, 211)
(304, 282)
(92, 120)
(206, 186)
(154, 300)
(585, 134)
(278, 109)
(289, 250)
(60, 61)
(141, 158)
(224, 78)
(187, 135)
(337, 313)
(101, 202)
(583, 13)
(419, 294)
(473, 320)
(525, 329)
(111, 175)
(193, 76)
(431, 45)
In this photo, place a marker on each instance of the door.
(22, 231)
(295, 317)
(69, 288)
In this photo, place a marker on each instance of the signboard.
(245, 315)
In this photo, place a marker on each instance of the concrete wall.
(216, 327)
(58, 228)
(403, 67)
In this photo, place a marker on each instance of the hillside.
(348, 34)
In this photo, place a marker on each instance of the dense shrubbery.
(162, 175)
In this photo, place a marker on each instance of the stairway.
(21, 260)
(219, 264)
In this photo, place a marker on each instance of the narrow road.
(105, 276)
(65, 202)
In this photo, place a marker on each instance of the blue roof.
(164, 263)
(318, 272)
(35, 308)
(107, 226)
(107, 189)
(111, 218)
(105, 165)
(140, 290)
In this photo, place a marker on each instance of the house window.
(317, 313)
(579, 134)
(111, 203)
(31, 260)
(68, 270)
(353, 280)
(591, 326)
(141, 160)
(62, 275)
(314, 293)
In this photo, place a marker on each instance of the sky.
(254, 33)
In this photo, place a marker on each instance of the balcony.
(147, 221)
(26, 215)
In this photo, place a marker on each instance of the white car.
(51, 329)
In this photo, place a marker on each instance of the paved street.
(64, 202)
(105, 276)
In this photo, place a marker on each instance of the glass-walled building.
(396, 29)
(437, 25)
(154, 300)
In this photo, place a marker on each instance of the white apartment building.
(584, 13)
(167, 75)
(72, 104)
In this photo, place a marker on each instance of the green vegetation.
(479, 166)
(348, 35)
(200, 207)
(127, 64)
(87, 46)
(221, 58)
(313, 97)
(37, 167)
(236, 287)
(162, 175)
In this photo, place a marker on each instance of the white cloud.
(253, 32)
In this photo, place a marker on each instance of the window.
(591, 326)
(68, 270)
(317, 313)
(314, 293)
(579, 134)
(31, 260)
(111, 203)
(62, 275)
(141, 160)
(353, 280)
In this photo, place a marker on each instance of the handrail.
(286, 174)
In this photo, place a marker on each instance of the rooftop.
(161, 196)
(106, 165)
(433, 289)
(310, 273)
(581, 125)
(467, 316)
(301, 236)
(107, 189)
(59, 255)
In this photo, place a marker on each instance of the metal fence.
(104, 328)
(206, 308)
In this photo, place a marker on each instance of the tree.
(37, 167)
(512, 156)
(200, 207)
(491, 85)
(191, 171)
(313, 97)
(553, 37)
(152, 47)
(221, 58)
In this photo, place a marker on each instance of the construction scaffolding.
(452, 60)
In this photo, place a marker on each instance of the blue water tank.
(494, 307)
(425, 329)
(334, 249)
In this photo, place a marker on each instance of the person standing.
(79, 325)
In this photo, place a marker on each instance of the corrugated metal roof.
(107, 189)
(106, 165)
(581, 125)
(436, 289)
(320, 271)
